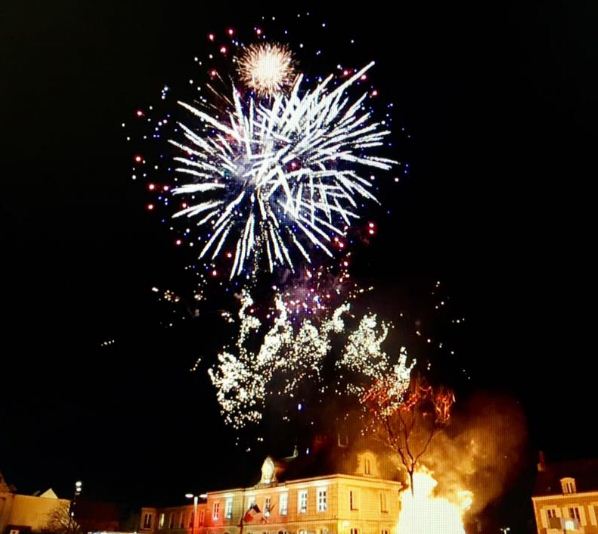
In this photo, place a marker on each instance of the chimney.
(541, 462)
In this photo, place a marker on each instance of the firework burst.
(267, 69)
(294, 355)
(276, 179)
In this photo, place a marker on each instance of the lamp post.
(195, 500)
(78, 490)
(504, 530)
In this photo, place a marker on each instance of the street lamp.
(504, 530)
(195, 498)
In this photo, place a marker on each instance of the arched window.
(568, 485)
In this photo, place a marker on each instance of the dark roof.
(327, 457)
(585, 473)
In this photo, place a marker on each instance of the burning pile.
(423, 512)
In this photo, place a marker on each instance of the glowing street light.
(195, 500)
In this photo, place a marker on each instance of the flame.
(426, 513)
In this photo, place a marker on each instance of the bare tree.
(406, 417)
(60, 521)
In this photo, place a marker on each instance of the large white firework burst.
(279, 177)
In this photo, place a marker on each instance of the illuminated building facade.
(25, 513)
(566, 497)
(359, 500)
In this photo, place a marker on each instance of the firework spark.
(291, 356)
(266, 68)
(278, 178)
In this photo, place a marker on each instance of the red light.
(213, 73)
(211, 36)
(229, 255)
(151, 187)
(178, 242)
(374, 93)
(231, 31)
(165, 188)
(364, 77)
(223, 49)
(138, 158)
(371, 225)
(372, 232)
(214, 272)
(258, 31)
(184, 205)
(150, 207)
(139, 113)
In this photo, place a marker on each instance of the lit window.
(353, 500)
(216, 511)
(574, 514)
(228, 508)
(368, 466)
(302, 502)
(568, 485)
(182, 520)
(147, 521)
(322, 500)
(267, 506)
(161, 521)
(383, 502)
(284, 504)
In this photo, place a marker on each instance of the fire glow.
(422, 512)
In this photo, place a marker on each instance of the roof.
(585, 473)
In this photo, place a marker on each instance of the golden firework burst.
(267, 68)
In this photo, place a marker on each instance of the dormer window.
(568, 485)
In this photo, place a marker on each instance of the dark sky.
(499, 103)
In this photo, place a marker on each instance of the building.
(356, 498)
(25, 513)
(565, 497)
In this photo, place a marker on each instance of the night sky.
(499, 106)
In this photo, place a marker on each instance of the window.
(574, 514)
(147, 520)
(551, 513)
(228, 508)
(302, 532)
(191, 518)
(171, 520)
(323, 531)
(302, 502)
(384, 531)
(283, 507)
(383, 502)
(353, 500)
(368, 466)
(322, 499)
(182, 520)
(354, 531)
(267, 506)
(161, 521)
(568, 485)
(202, 516)
(216, 511)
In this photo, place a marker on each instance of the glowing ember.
(426, 513)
